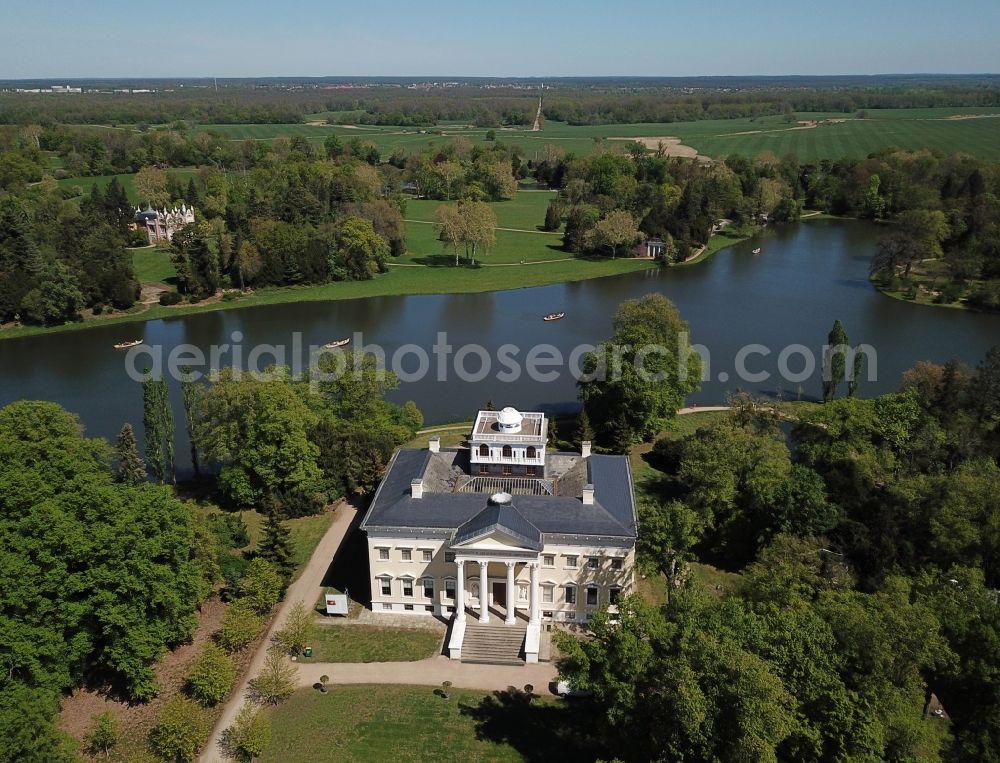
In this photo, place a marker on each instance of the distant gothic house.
(161, 224)
(501, 537)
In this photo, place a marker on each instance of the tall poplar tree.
(191, 393)
(152, 426)
(835, 361)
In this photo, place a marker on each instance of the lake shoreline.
(378, 287)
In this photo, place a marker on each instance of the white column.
(484, 594)
(511, 595)
(535, 607)
(460, 590)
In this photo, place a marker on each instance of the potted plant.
(323, 680)
(445, 685)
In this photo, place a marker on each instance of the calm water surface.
(807, 275)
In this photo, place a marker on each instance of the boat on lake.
(554, 317)
(126, 345)
(757, 250)
(336, 344)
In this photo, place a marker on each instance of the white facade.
(558, 551)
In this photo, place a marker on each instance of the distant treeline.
(481, 106)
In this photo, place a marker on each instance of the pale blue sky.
(231, 38)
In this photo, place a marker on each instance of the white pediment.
(494, 541)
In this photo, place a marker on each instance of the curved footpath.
(305, 589)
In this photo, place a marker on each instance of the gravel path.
(306, 589)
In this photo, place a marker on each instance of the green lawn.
(526, 211)
(306, 533)
(153, 265)
(362, 643)
(452, 435)
(409, 723)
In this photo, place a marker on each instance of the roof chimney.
(435, 444)
(588, 493)
(417, 488)
(585, 449)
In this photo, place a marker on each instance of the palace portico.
(495, 541)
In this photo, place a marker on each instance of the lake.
(807, 275)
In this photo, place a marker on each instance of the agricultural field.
(836, 135)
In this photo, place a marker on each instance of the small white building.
(502, 536)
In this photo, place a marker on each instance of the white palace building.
(501, 537)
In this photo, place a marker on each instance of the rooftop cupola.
(509, 420)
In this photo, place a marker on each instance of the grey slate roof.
(501, 517)
(611, 514)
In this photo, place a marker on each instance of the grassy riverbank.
(400, 280)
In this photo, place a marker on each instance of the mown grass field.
(526, 211)
(152, 264)
(361, 643)
(410, 723)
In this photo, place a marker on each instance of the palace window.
(531, 452)
(532, 471)
(547, 594)
(484, 451)
(548, 560)
(449, 590)
(570, 594)
(407, 554)
(507, 452)
(591, 596)
(617, 563)
(407, 587)
(428, 588)
(408, 607)
(386, 605)
(614, 594)
(426, 554)
(572, 561)
(507, 470)
(383, 554)
(385, 586)
(571, 615)
(593, 563)
(449, 556)
(484, 468)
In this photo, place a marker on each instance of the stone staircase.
(493, 644)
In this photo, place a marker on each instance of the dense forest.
(102, 571)
(598, 102)
(937, 208)
(867, 535)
